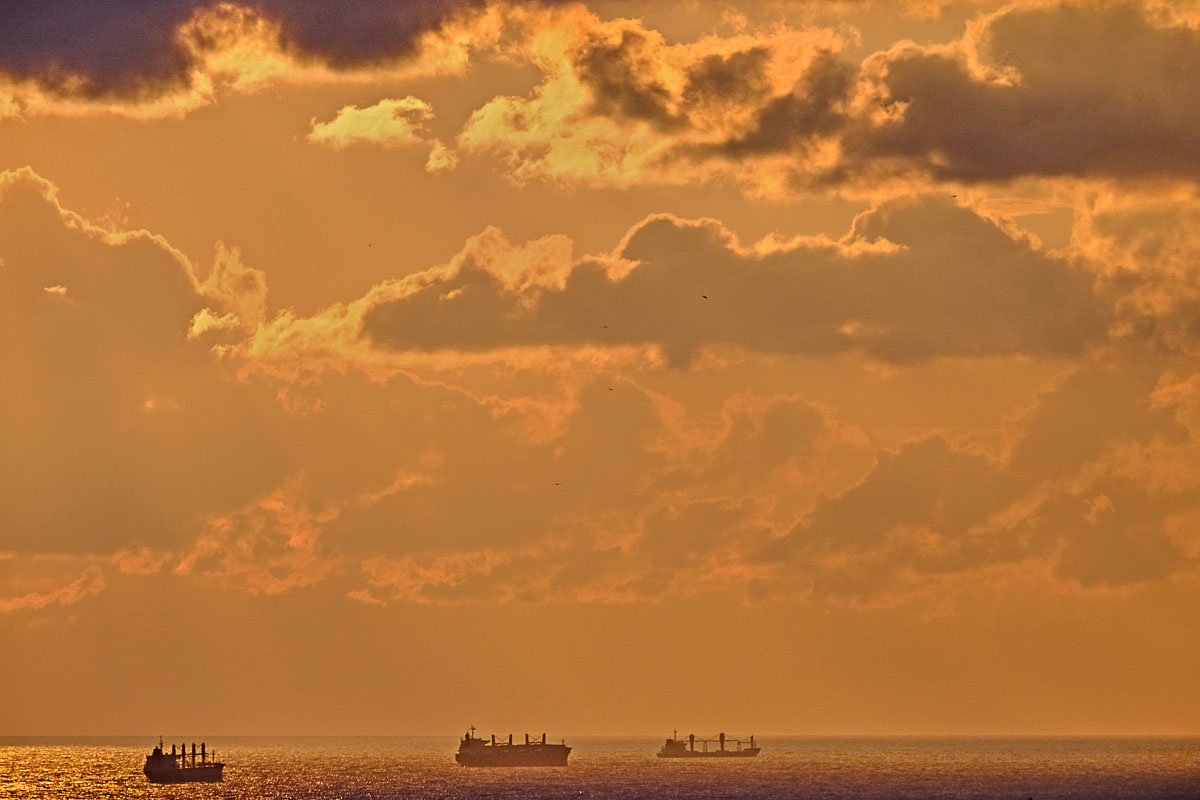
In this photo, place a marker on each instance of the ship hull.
(514, 755)
(207, 774)
(748, 752)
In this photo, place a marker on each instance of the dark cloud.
(348, 33)
(622, 80)
(1098, 91)
(620, 77)
(737, 78)
(813, 109)
(120, 47)
(624, 84)
(130, 47)
(957, 285)
(1081, 90)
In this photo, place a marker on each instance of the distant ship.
(476, 752)
(178, 768)
(677, 748)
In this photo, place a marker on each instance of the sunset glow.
(792, 366)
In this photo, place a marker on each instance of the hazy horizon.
(574, 737)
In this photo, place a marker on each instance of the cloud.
(554, 474)
(1074, 504)
(445, 578)
(240, 289)
(150, 60)
(89, 583)
(1068, 509)
(1031, 90)
(677, 553)
(1067, 496)
(435, 471)
(141, 560)
(117, 426)
(133, 46)
(441, 158)
(938, 281)
(1053, 101)
(268, 547)
(1146, 250)
(619, 106)
(95, 47)
(388, 123)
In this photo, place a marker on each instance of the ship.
(678, 748)
(162, 767)
(474, 751)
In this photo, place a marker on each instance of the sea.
(417, 767)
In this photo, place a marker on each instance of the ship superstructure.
(476, 752)
(680, 748)
(178, 767)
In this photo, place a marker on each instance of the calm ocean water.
(623, 767)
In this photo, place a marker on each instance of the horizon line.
(638, 735)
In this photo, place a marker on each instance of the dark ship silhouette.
(476, 752)
(678, 748)
(175, 768)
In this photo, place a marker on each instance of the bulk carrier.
(476, 752)
(178, 768)
(677, 748)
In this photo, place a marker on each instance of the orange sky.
(777, 367)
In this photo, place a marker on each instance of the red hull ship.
(476, 752)
(179, 768)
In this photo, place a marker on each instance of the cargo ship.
(476, 752)
(678, 748)
(175, 767)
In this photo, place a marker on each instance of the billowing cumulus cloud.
(540, 480)
(1047, 98)
(441, 158)
(1030, 90)
(388, 123)
(620, 106)
(914, 280)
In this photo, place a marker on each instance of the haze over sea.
(622, 767)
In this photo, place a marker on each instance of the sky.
(787, 366)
